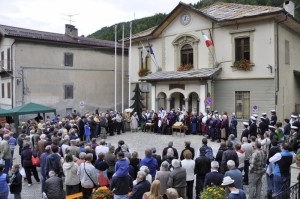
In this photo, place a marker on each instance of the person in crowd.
(163, 176)
(229, 154)
(4, 180)
(54, 161)
(43, 165)
(177, 178)
(87, 132)
(202, 167)
(213, 178)
(110, 159)
(150, 162)
(245, 132)
(26, 161)
(12, 142)
(72, 180)
(102, 167)
(189, 164)
(134, 164)
(208, 150)
(269, 171)
(16, 182)
(147, 172)
(154, 191)
(235, 174)
(248, 150)
(121, 186)
(282, 162)
(122, 165)
(157, 157)
(5, 153)
(141, 187)
(74, 149)
(241, 156)
(101, 148)
(54, 187)
(187, 147)
(220, 152)
(233, 125)
(171, 193)
(257, 169)
(81, 158)
(235, 193)
(170, 145)
(88, 176)
(134, 122)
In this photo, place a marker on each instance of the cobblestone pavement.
(137, 141)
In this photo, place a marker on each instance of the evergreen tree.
(137, 104)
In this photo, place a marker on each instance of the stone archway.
(177, 101)
(161, 101)
(193, 102)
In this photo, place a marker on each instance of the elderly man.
(235, 174)
(214, 177)
(102, 148)
(177, 179)
(54, 187)
(141, 187)
(170, 145)
(5, 153)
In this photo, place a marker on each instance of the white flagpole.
(123, 69)
(129, 67)
(115, 67)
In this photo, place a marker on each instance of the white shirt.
(189, 166)
(101, 149)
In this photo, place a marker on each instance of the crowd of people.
(68, 153)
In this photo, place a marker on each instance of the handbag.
(35, 161)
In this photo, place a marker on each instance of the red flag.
(208, 42)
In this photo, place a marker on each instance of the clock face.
(185, 19)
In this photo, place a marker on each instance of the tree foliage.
(138, 25)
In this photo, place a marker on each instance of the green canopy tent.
(29, 108)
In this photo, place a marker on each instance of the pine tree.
(137, 104)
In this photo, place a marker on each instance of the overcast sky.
(89, 15)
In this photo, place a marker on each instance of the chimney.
(71, 30)
(289, 6)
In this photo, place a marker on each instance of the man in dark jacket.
(43, 164)
(187, 147)
(141, 187)
(202, 167)
(121, 185)
(213, 178)
(53, 162)
(177, 178)
(170, 145)
(229, 154)
(54, 187)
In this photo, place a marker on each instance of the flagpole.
(123, 69)
(129, 66)
(115, 67)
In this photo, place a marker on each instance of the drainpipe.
(277, 57)
(14, 74)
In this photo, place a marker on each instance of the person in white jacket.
(72, 180)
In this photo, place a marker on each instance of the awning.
(200, 74)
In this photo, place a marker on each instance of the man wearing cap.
(177, 178)
(273, 117)
(267, 120)
(247, 148)
(213, 178)
(263, 127)
(295, 138)
(234, 192)
(257, 169)
(245, 132)
(253, 127)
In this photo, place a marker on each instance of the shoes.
(29, 185)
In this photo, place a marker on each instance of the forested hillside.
(138, 25)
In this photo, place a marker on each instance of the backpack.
(208, 152)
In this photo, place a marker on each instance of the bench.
(181, 129)
(74, 196)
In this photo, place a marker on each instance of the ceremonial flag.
(208, 42)
(144, 53)
(152, 53)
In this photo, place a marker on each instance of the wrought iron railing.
(292, 192)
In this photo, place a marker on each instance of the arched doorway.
(176, 101)
(194, 103)
(161, 101)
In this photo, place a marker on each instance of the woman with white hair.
(147, 172)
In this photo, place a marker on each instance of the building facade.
(242, 70)
(63, 71)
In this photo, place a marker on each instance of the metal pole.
(123, 69)
(115, 67)
(129, 67)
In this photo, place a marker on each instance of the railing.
(292, 192)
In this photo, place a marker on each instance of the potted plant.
(143, 72)
(243, 64)
(214, 192)
(103, 193)
(185, 67)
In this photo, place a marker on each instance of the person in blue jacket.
(4, 180)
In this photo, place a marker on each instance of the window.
(2, 89)
(186, 55)
(8, 59)
(8, 90)
(2, 59)
(68, 59)
(242, 49)
(287, 51)
(242, 104)
(68, 91)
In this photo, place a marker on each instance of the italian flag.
(208, 42)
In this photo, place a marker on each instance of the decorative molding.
(242, 30)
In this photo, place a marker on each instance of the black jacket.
(26, 156)
(139, 189)
(202, 166)
(121, 185)
(54, 188)
(213, 178)
(16, 183)
(229, 154)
